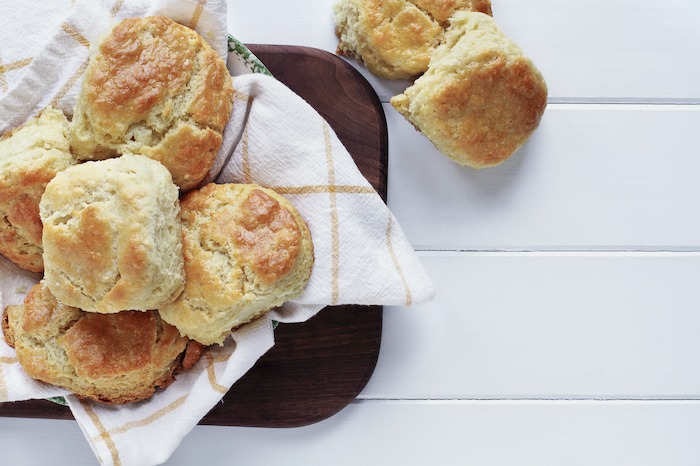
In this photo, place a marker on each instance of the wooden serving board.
(317, 367)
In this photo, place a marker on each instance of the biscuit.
(156, 88)
(30, 156)
(480, 99)
(395, 38)
(114, 358)
(112, 238)
(247, 250)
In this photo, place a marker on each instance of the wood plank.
(524, 434)
(593, 177)
(418, 433)
(628, 50)
(547, 325)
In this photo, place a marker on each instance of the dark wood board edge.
(318, 367)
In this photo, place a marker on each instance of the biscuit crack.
(148, 133)
(76, 286)
(427, 13)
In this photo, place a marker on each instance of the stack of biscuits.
(142, 266)
(476, 96)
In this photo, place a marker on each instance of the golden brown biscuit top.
(139, 62)
(99, 345)
(481, 98)
(145, 60)
(247, 250)
(395, 38)
(510, 99)
(44, 317)
(401, 35)
(265, 234)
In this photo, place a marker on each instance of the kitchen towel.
(274, 138)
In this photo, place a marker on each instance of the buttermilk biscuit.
(115, 358)
(480, 99)
(112, 239)
(247, 250)
(30, 156)
(156, 88)
(395, 38)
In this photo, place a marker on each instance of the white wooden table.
(566, 330)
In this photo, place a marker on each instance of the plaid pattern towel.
(362, 256)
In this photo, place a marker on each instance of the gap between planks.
(426, 252)
(531, 401)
